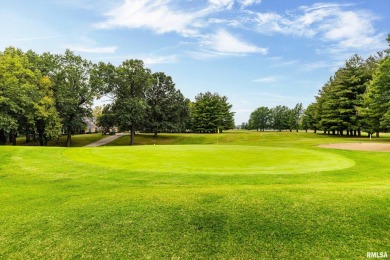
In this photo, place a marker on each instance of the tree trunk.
(155, 134)
(377, 134)
(3, 137)
(69, 138)
(28, 136)
(45, 140)
(41, 142)
(41, 131)
(13, 137)
(359, 133)
(132, 133)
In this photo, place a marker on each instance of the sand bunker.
(379, 147)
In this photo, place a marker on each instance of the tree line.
(45, 95)
(278, 118)
(355, 99)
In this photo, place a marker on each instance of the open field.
(237, 195)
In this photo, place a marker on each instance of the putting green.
(211, 159)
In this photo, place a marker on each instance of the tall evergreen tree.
(211, 113)
(378, 98)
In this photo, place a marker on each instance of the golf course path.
(106, 140)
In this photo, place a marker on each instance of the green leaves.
(26, 97)
(260, 119)
(167, 107)
(378, 96)
(211, 112)
(351, 99)
(74, 91)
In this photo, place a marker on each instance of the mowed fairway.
(252, 196)
(211, 159)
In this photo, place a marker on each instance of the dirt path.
(379, 147)
(106, 140)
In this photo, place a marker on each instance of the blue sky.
(256, 52)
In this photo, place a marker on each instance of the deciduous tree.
(167, 107)
(129, 86)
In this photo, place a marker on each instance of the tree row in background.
(43, 96)
(277, 118)
(355, 99)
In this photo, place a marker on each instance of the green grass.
(284, 139)
(212, 159)
(77, 140)
(104, 203)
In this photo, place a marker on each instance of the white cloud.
(329, 22)
(164, 16)
(204, 55)
(225, 43)
(156, 15)
(246, 3)
(269, 22)
(110, 49)
(266, 80)
(228, 4)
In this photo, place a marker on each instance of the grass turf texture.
(56, 205)
(211, 159)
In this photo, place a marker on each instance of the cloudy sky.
(256, 52)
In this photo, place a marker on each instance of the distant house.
(91, 126)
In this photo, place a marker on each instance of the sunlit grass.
(93, 203)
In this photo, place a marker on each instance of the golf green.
(211, 159)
